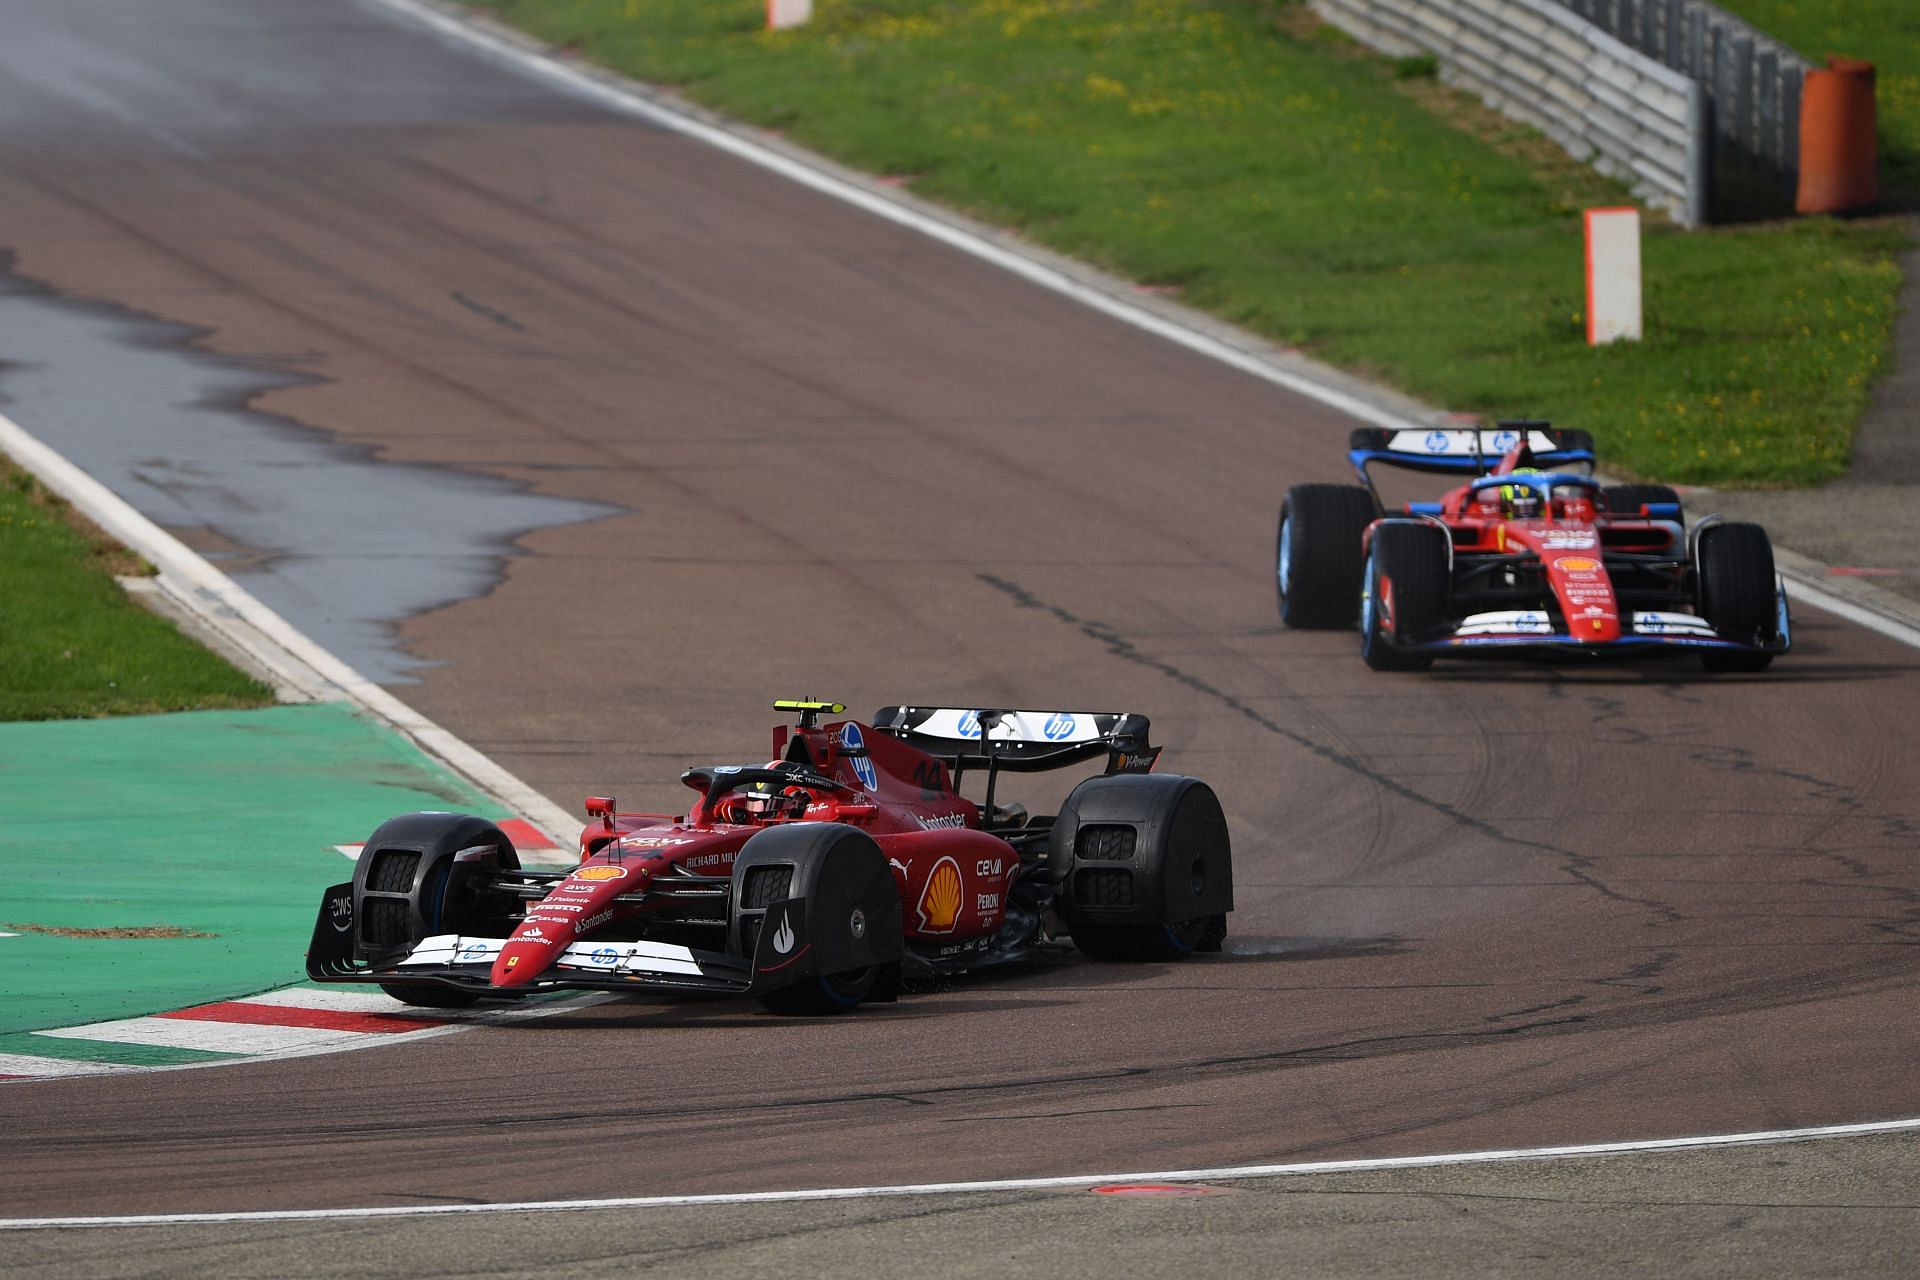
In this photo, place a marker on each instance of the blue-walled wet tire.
(1409, 561)
(1737, 593)
(1318, 555)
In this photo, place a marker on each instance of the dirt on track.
(1489, 906)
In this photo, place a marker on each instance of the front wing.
(1649, 630)
(466, 963)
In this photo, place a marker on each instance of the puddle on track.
(340, 544)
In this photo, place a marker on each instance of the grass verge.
(72, 645)
(1277, 175)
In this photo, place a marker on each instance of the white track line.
(1222, 1174)
(453, 1021)
(631, 99)
(35, 1066)
(1893, 627)
(238, 1038)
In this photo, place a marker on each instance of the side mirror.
(601, 807)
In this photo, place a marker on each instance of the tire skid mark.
(1578, 866)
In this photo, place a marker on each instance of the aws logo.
(939, 905)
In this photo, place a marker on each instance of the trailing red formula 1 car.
(813, 882)
(1532, 553)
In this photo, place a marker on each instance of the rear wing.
(1469, 450)
(1022, 741)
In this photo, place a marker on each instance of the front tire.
(429, 995)
(1736, 582)
(408, 885)
(1407, 586)
(823, 995)
(1318, 556)
(829, 884)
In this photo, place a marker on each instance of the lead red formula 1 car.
(813, 882)
(1532, 553)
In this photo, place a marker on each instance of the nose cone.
(573, 908)
(520, 963)
(1598, 630)
(535, 945)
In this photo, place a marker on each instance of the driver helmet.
(1519, 501)
(768, 802)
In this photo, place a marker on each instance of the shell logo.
(1576, 564)
(940, 900)
(600, 873)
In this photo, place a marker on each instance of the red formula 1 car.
(813, 882)
(1532, 553)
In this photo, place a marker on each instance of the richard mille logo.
(783, 937)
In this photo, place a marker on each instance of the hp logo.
(1060, 726)
(970, 724)
(1437, 442)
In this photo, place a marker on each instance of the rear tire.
(1627, 499)
(1735, 574)
(1142, 867)
(1407, 585)
(1318, 556)
(1137, 943)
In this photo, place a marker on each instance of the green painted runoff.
(154, 862)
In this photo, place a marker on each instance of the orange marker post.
(1838, 148)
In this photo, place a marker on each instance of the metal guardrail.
(1752, 79)
(1624, 112)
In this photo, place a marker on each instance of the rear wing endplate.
(1022, 741)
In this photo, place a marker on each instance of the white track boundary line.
(1223, 1173)
(630, 98)
(1807, 590)
(231, 610)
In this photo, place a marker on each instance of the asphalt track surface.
(1492, 906)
